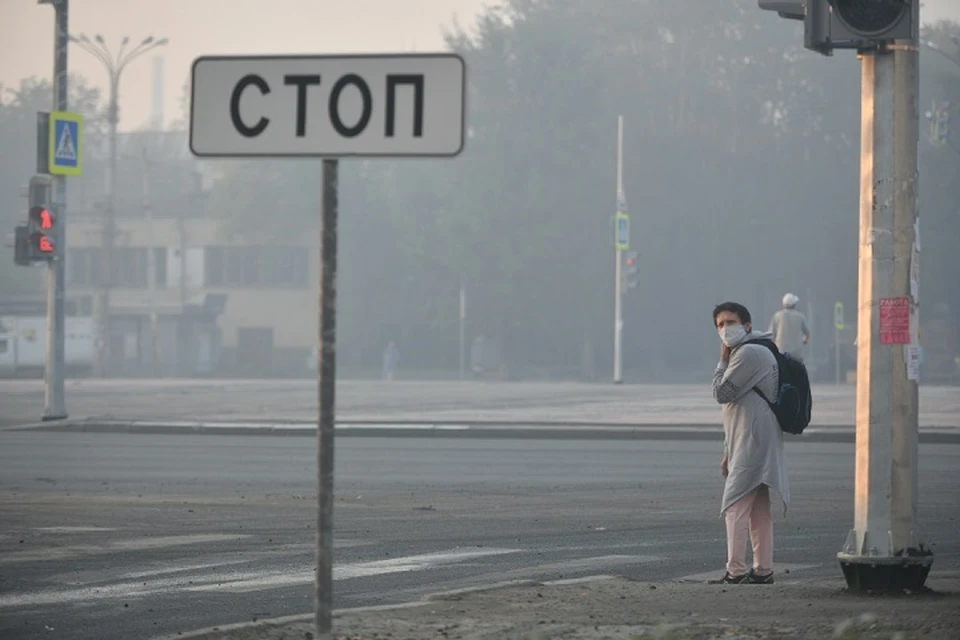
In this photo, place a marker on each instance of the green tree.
(741, 172)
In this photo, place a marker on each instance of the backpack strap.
(769, 344)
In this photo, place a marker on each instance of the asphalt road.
(125, 536)
(21, 401)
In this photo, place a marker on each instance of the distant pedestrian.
(477, 354)
(391, 358)
(789, 328)
(753, 460)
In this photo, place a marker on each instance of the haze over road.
(114, 536)
(561, 402)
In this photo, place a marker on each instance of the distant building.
(225, 305)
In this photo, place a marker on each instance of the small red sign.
(894, 320)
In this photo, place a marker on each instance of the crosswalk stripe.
(137, 544)
(256, 581)
(239, 581)
(72, 529)
(225, 577)
(136, 575)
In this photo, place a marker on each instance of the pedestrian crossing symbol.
(622, 239)
(66, 131)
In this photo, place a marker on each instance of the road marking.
(181, 569)
(598, 561)
(602, 563)
(602, 577)
(128, 590)
(72, 529)
(259, 580)
(62, 553)
(238, 582)
(778, 569)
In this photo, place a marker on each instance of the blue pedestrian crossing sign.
(65, 157)
(622, 230)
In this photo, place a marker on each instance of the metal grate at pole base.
(903, 574)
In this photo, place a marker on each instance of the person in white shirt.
(789, 328)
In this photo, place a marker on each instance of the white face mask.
(732, 335)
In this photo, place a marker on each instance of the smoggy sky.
(198, 27)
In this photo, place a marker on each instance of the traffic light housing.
(940, 123)
(789, 9)
(631, 269)
(41, 220)
(21, 246)
(862, 24)
(43, 244)
(848, 24)
(36, 241)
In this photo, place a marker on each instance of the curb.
(472, 430)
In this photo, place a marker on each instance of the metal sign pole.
(326, 380)
(55, 405)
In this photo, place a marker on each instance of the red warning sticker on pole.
(894, 320)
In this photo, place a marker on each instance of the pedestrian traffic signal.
(940, 123)
(631, 269)
(41, 222)
(40, 230)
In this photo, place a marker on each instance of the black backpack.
(794, 402)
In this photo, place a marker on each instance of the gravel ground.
(620, 609)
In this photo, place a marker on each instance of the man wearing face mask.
(753, 460)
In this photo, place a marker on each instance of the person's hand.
(724, 353)
(724, 471)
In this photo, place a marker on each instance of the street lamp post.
(114, 63)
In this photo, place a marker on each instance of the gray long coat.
(753, 440)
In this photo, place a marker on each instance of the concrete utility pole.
(618, 272)
(54, 403)
(884, 551)
(114, 63)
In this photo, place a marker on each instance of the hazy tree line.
(741, 174)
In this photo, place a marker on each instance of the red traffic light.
(42, 218)
(630, 262)
(43, 243)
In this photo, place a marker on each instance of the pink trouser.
(750, 513)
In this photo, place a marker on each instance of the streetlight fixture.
(114, 63)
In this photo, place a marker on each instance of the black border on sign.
(345, 56)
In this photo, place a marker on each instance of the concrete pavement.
(611, 608)
(431, 409)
